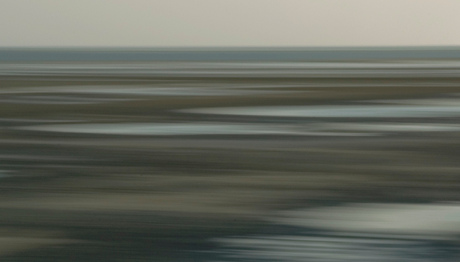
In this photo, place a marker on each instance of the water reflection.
(337, 111)
(166, 129)
(358, 232)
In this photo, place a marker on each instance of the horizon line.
(235, 47)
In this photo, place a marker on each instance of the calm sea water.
(221, 62)
(226, 54)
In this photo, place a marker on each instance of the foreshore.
(95, 196)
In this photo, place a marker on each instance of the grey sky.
(229, 22)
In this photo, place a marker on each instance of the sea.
(60, 54)
(233, 62)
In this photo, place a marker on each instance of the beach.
(153, 163)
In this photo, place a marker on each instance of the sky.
(229, 23)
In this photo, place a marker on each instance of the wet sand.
(100, 195)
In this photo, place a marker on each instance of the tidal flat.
(181, 173)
